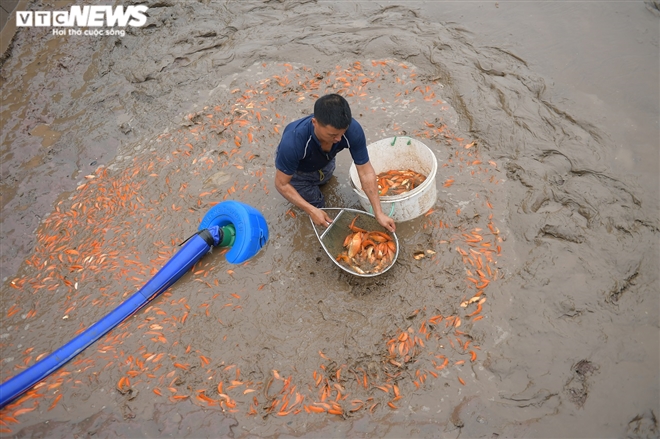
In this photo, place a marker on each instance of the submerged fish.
(396, 182)
(367, 252)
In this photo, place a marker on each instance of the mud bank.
(158, 125)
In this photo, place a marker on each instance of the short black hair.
(333, 110)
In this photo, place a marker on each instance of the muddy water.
(114, 148)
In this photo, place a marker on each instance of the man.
(305, 158)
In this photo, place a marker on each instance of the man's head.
(332, 116)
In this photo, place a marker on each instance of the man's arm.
(284, 187)
(370, 187)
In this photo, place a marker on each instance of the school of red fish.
(157, 351)
(396, 182)
(367, 252)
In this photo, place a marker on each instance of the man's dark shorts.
(308, 184)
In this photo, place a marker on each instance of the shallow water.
(134, 138)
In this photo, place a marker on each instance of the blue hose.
(181, 262)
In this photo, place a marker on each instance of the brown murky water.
(114, 148)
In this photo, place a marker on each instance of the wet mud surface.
(114, 148)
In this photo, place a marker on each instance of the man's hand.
(386, 222)
(370, 187)
(320, 217)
